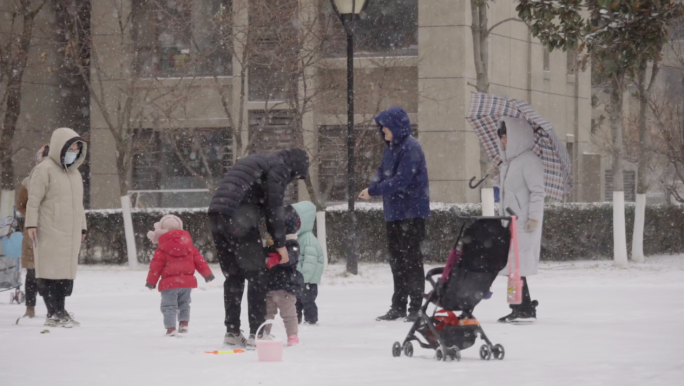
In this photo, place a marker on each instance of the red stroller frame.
(478, 256)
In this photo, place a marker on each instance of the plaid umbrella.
(484, 115)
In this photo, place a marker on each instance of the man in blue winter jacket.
(402, 181)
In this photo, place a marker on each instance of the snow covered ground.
(598, 325)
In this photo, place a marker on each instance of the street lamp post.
(348, 10)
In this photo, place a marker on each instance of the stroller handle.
(508, 210)
(433, 272)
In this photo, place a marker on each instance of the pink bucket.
(268, 350)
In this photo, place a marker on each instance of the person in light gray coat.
(521, 182)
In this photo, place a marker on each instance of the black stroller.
(479, 254)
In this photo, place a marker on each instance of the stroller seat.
(479, 254)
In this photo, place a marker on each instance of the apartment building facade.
(194, 92)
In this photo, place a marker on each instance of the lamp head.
(347, 7)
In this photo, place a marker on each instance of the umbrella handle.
(470, 183)
(541, 132)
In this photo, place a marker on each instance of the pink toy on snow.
(166, 224)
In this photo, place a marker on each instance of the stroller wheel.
(408, 349)
(453, 354)
(485, 352)
(20, 297)
(11, 298)
(499, 352)
(396, 349)
(439, 354)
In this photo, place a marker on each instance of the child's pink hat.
(167, 223)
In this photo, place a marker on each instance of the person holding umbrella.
(531, 165)
(521, 182)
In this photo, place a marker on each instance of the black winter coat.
(261, 180)
(285, 276)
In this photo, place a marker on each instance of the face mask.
(70, 157)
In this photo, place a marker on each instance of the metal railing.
(135, 194)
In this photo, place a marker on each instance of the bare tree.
(248, 37)
(644, 92)
(668, 141)
(16, 37)
(125, 98)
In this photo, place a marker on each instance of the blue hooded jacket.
(402, 178)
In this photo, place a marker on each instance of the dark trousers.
(241, 256)
(306, 304)
(54, 293)
(406, 260)
(526, 304)
(31, 287)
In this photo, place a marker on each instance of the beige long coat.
(521, 180)
(55, 208)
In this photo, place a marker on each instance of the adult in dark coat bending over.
(253, 187)
(402, 181)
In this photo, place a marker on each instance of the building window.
(547, 59)
(180, 159)
(332, 164)
(274, 46)
(270, 132)
(146, 160)
(387, 27)
(175, 38)
(269, 79)
(629, 184)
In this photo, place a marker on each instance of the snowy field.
(598, 325)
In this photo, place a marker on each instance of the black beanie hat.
(292, 221)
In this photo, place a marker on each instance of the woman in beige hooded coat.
(55, 221)
(521, 180)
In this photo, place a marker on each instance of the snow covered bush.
(106, 242)
(571, 232)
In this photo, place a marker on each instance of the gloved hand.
(150, 286)
(531, 225)
(209, 278)
(488, 295)
(493, 171)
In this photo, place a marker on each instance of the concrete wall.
(447, 75)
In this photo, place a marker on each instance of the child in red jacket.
(175, 260)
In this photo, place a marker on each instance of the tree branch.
(35, 11)
(486, 34)
(654, 74)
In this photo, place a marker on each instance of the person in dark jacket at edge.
(402, 181)
(253, 187)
